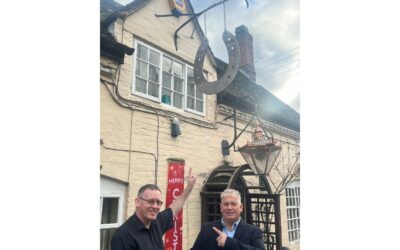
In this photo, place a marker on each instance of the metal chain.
(224, 16)
(205, 25)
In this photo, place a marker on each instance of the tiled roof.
(246, 92)
(109, 47)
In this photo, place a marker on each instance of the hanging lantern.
(260, 153)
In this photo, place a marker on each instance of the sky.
(274, 25)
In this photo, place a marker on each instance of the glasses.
(152, 202)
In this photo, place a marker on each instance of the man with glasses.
(230, 232)
(145, 228)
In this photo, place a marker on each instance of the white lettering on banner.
(175, 240)
(175, 180)
(174, 193)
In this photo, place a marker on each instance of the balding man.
(145, 228)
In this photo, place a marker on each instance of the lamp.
(175, 129)
(261, 152)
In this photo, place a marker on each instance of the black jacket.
(247, 237)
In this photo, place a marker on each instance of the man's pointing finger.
(217, 231)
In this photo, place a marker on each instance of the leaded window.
(293, 210)
(163, 78)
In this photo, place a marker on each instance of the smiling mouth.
(153, 211)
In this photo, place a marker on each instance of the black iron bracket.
(169, 15)
(192, 16)
(236, 136)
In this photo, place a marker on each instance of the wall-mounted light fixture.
(262, 151)
(225, 147)
(175, 129)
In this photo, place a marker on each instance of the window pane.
(178, 100)
(141, 69)
(190, 73)
(153, 89)
(166, 96)
(154, 58)
(166, 81)
(142, 52)
(293, 210)
(167, 65)
(140, 85)
(178, 69)
(105, 238)
(199, 106)
(190, 103)
(178, 84)
(109, 211)
(154, 74)
(199, 95)
(190, 89)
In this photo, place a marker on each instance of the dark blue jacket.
(247, 237)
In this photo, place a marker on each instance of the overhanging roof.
(244, 92)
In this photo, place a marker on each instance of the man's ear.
(137, 200)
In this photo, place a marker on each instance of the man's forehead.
(230, 197)
(149, 192)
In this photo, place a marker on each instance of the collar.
(138, 224)
(234, 225)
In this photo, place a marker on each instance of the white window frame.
(184, 77)
(134, 74)
(195, 97)
(292, 192)
(159, 100)
(112, 194)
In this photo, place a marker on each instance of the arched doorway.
(260, 206)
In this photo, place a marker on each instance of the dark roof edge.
(112, 49)
(242, 72)
(287, 117)
(125, 11)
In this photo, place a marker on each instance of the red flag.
(173, 237)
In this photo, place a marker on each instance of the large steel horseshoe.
(234, 60)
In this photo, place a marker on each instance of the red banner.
(176, 170)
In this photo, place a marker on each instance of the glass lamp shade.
(260, 156)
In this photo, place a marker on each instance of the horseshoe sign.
(210, 88)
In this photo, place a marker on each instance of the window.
(111, 210)
(173, 82)
(162, 78)
(194, 96)
(147, 71)
(293, 210)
